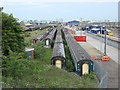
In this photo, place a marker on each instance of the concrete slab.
(111, 51)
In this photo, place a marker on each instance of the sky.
(65, 10)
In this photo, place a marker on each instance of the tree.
(11, 30)
(30, 21)
(22, 23)
(36, 22)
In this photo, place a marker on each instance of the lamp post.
(105, 57)
(105, 43)
(105, 33)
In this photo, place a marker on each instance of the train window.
(47, 42)
(58, 64)
(85, 69)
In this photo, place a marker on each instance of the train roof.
(58, 37)
(78, 53)
(58, 50)
(51, 34)
(95, 29)
(41, 35)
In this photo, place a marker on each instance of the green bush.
(64, 42)
(42, 54)
(52, 44)
(15, 64)
(20, 72)
(11, 30)
(90, 76)
(27, 35)
(39, 50)
(69, 62)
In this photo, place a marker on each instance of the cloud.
(36, 2)
(12, 3)
(26, 4)
(32, 1)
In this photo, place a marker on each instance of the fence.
(102, 75)
(109, 42)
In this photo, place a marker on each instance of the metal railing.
(109, 42)
(101, 74)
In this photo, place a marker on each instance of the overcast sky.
(62, 9)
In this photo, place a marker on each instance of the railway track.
(112, 38)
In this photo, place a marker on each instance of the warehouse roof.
(74, 21)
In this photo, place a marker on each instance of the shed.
(30, 52)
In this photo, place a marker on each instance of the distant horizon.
(66, 11)
(71, 20)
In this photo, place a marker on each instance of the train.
(49, 38)
(109, 32)
(41, 37)
(31, 27)
(82, 60)
(96, 29)
(58, 56)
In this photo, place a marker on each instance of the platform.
(110, 66)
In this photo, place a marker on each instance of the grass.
(32, 34)
(38, 73)
(47, 58)
(47, 76)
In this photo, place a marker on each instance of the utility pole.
(101, 24)
(105, 42)
(105, 39)
(62, 22)
(105, 33)
(105, 57)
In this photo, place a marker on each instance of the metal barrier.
(109, 42)
(102, 75)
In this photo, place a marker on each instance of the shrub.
(69, 63)
(90, 76)
(39, 50)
